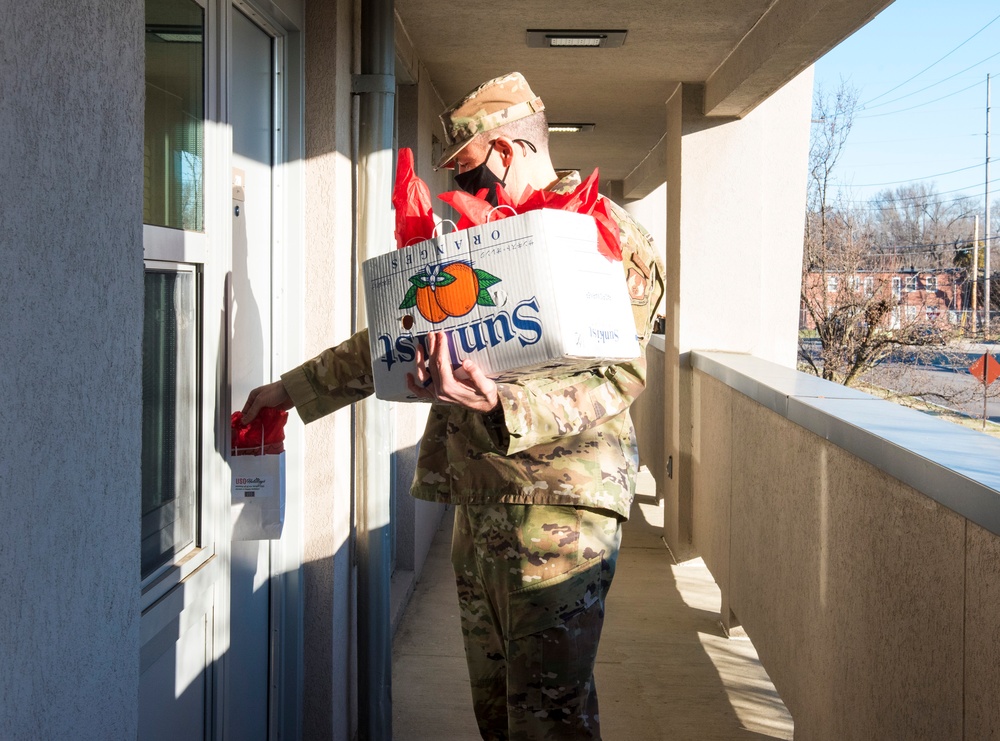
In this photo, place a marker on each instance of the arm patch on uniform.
(638, 284)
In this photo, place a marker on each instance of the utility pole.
(975, 275)
(986, 246)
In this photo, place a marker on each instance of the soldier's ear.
(505, 148)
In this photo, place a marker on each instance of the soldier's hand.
(435, 379)
(269, 395)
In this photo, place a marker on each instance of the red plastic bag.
(264, 436)
(473, 210)
(412, 200)
(583, 199)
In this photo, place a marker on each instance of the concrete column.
(735, 217)
(417, 126)
(329, 691)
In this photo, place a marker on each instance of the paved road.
(941, 377)
(945, 378)
(952, 388)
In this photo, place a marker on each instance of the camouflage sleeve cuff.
(495, 422)
(333, 379)
(301, 392)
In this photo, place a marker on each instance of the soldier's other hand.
(268, 395)
(435, 379)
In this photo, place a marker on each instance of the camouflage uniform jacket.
(564, 440)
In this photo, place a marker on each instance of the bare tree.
(921, 229)
(861, 310)
(851, 292)
(833, 118)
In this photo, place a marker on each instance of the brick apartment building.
(916, 296)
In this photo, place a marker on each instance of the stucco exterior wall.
(849, 583)
(742, 216)
(71, 298)
(418, 106)
(982, 626)
(870, 603)
(735, 212)
(647, 411)
(328, 295)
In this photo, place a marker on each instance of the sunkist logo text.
(448, 290)
(522, 324)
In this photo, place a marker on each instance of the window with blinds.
(170, 488)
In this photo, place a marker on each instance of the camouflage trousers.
(532, 580)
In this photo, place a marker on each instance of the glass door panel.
(173, 192)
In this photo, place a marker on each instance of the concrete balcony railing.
(856, 541)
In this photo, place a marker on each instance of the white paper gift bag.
(258, 496)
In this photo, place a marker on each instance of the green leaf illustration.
(486, 279)
(410, 299)
(484, 298)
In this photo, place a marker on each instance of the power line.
(927, 247)
(910, 157)
(936, 110)
(925, 177)
(935, 84)
(916, 249)
(934, 63)
(921, 105)
(925, 195)
(917, 139)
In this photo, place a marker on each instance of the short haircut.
(534, 128)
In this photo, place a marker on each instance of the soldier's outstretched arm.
(333, 379)
(269, 395)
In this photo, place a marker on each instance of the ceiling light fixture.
(574, 39)
(570, 128)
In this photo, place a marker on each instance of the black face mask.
(479, 177)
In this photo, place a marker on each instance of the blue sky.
(930, 125)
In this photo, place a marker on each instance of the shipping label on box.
(521, 296)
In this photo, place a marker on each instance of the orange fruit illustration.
(428, 307)
(440, 300)
(452, 290)
(458, 298)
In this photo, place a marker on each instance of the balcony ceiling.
(740, 50)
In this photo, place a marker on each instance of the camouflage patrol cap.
(489, 106)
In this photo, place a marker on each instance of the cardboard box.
(523, 296)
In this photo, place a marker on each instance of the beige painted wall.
(328, 296)
(742, 213)
(735, 213)
(647, 412)
(418, 106)
(872, 606)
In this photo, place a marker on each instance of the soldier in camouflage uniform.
(542, 471)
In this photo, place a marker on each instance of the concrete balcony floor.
(665, 669)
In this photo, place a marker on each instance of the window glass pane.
(169, 417)
(173, 193)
